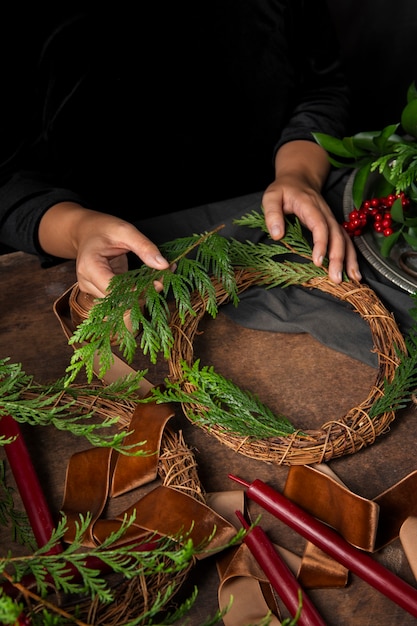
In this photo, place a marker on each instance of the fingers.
(102, 254)
(94, 273)
(272, 202)
(329, 238)
(148, 252)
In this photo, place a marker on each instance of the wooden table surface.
(293, 374)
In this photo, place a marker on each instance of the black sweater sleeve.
(322, 100)
(24, 199)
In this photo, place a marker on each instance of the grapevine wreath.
(217, 272)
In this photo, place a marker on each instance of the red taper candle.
(328, 540)
(27, 483)
(280, 575)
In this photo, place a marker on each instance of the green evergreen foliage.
(392, 155)
(167, 555)
(42, 405)
(223, 403)
(397, 393)
(17, 521)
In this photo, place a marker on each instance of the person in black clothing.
(112, 119)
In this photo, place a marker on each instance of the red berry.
(388, 231)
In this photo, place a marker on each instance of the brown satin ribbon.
(64, 311)
(370, 525)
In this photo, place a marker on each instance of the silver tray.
(366, 243)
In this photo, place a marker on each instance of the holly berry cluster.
(376, 212)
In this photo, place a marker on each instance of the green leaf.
(359, 184)
(409, 118)
(365, 140)
(385, 137)
(333, 145)
(382, 187)
(411, 240)
(389, 242)
(397, 212)
(412, 92)
(352, 147)
(410, 223)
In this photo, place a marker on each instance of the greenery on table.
(132, 560)
(43, 405)
(56, 405)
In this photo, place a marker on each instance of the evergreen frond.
(70, 573)
(398, 392)
(222, 403)
(215, 256)
(17, 521)
(46, 405)
(293, 240)
(134, 292)
(253, 219)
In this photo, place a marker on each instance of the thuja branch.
(21, 531)
(398, 392)
(222, 404)
(70, 572)
(57, 404)
(294, 240)
(134, 291)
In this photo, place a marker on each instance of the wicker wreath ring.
(335, 438)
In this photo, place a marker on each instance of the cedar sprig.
(165, 555)
(222, 403)
(55, 404)
(134, 291)
(21, 530)
(294, 240)
(260, 260)
(398, 392)
(400, 165)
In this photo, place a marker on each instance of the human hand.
(99, 243)
(297, 193)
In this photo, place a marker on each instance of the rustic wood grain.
(292, 373)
